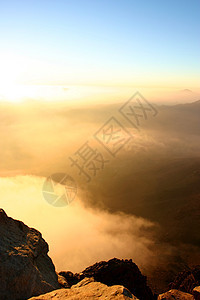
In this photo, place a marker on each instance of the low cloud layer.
(143, 204)
(77, 236)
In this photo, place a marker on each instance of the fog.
(143, 203)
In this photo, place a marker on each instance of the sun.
(16, 93)
(12, 70)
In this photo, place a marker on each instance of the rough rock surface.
(175, 295)
(25, 268)
(115, 272)
(63, 282)
(70, 277)
(186, 281)
(196, 293)
(89, 289)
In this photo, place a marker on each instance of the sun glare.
(11, 70)
(16, 93)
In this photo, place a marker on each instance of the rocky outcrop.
(115, 272)
(27, 271)
(175, 295)
(186, 281)
(89, 289)
(25, 268)
(196, 293)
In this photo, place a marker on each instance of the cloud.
(77, 236)
(136, 207)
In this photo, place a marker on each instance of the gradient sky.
(100, 42)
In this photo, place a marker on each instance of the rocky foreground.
(27, 272)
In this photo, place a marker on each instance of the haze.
(65, 70)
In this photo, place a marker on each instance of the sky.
(101, 43)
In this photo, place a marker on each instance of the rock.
(25, 268)
(89, 289)
(63, 282)
(70, 277)
(175, 295)
(120, 272)
(187, 280)
(196, 293)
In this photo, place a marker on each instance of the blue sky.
(104, 42)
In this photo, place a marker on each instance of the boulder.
(196, 293)
(175, 295)
(70, 277)
(89, 289)
(63, 282)
(25, 268)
